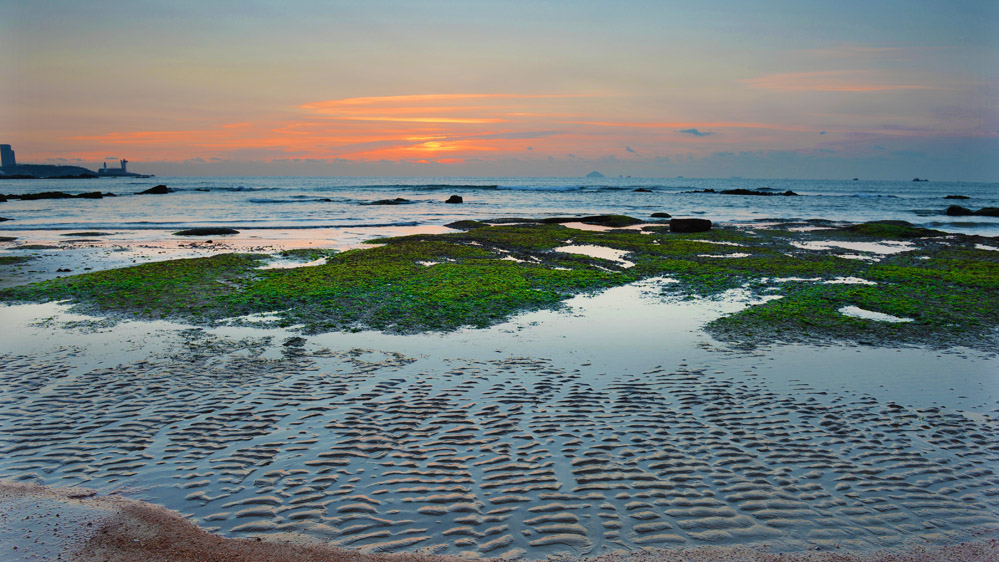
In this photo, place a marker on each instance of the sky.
(771, 89)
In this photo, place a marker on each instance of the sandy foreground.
(75, 524)
(539, 438)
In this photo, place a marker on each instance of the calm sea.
(336, 202)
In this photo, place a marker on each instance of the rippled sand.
(492, 454)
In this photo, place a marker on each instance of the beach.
(611, 425)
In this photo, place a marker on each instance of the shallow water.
(614, 424)
(268, 203)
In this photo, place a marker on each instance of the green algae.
(15, 260)
(484, 275)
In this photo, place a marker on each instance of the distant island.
(10, 169)
(595, 174)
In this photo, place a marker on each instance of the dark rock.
(396, 201)
(689, 225)
(91, 195)
(856, 179)
(759, 192)
(613, 221)
(157, 190)
(642, 190)
(2, 198)
(958, 211)
(957, 197)
(455, 199)
(988, 212)
(43, 195)
(661, 215)
(63, 270)
(917, 179)
(466, 225)
(2, 219)
(206, 231)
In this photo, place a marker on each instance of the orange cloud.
(829, 81)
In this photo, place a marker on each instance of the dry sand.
(40, 523)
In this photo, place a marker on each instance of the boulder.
(661, 215)
(613, 221)
(957, 197)
(157, 190)
(988, 212)
(2, 198)
(2, 219)
(642, 190)
(689, 225)
(958, 211)
(455, 199)
(206, 231)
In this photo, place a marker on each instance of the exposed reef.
(946, 288)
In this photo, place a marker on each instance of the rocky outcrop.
(158, 190)
(455, 199)
(206, 231)
(661, 215)
(396, 201)
(681, 226)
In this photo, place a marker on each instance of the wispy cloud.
(696, 132)
(832, 81)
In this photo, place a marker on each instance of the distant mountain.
(595, 174)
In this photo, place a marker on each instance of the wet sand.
(40, 523)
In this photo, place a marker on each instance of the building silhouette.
(7, 157)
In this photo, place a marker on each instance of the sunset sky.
(876, 89)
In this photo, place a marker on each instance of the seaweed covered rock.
(890, 229)
(681, 226)
(466, 225)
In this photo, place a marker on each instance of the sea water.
(345, 203)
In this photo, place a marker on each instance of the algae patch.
(486, 274)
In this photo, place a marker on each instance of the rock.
(988, 212)
(614, 221)
(595, 174)
(2, 219)
(642, 190)
(762, 192)
(91, 195)
(157, 190)
(957, 197)
(689, 225)
(43, 195)
(661, 215)
(64, 270)
(958, 211)
(206, 231)
(917, 179)
(455, 199)
(396, 201)
(2, 198)
(466, 225)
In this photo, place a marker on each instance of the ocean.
(340, 202)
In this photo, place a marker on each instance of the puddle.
(291, 264)
(599, 252)
(849, 281)
(857, 312)
(884, 248)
